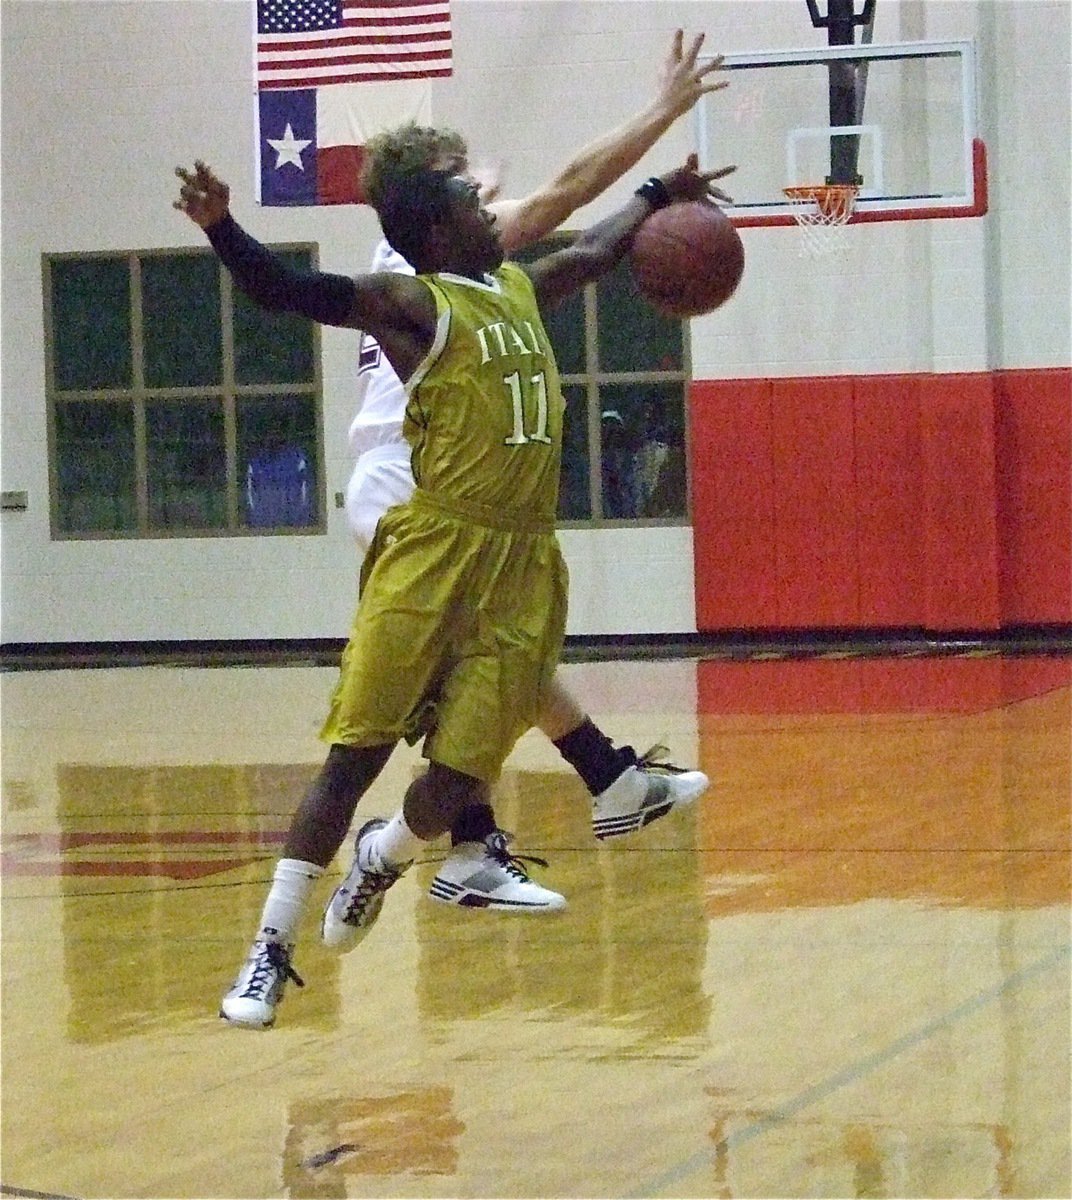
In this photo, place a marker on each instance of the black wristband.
(654, 191)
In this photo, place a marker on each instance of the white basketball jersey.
(381, 396)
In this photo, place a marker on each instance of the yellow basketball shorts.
(458, 631)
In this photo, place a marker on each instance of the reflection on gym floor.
(845, 972)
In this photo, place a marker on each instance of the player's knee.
(434, 800)
(456, 785)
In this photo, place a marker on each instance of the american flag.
(330, 74)
(312, 43)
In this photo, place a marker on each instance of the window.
(176, 408)
(624, 373)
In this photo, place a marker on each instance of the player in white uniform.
(382, 475)
(628, 791)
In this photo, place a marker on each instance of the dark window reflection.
(187, 463)
(94, 457)
(642, 434)
(574, 493)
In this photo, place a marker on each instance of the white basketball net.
(822, 211)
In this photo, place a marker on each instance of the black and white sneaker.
(644, 792)
(356, 902)
(486, 875)
(253, 997)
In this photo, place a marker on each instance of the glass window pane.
(273, 347)
(181, 320)
(642, 434)
(565, 328)
(633, 336)
(94, 443)
(277, 455)
(574, 496)
(90, 323)
(187, 464)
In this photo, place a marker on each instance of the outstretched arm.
(602, 162)
(599, 248)
(395, 309)
(263, 276)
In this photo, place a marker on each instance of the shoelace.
(275, 958)
(653, 759)
(372, 883)
(496, 845)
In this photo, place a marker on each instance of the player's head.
(410, 147)
(429, 209)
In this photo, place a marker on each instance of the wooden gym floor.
(845, 972)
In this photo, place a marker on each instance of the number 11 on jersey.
(538, 384)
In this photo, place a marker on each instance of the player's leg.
(482, 872)
(384, 851)
(316, 832)
(374, 705)
(628, 792)
(491, 698)
(381, 478)
(323, 818)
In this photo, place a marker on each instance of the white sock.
(396, 844)
(291, 884)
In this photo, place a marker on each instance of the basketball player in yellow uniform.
(465, 582)
(627, 790)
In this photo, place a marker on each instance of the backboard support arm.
(840, 21)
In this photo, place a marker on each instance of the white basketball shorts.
(381, 478)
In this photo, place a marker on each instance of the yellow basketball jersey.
(484, 408)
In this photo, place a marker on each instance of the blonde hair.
(393, 157)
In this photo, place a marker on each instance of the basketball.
(687, 258)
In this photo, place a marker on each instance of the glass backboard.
(898, 120)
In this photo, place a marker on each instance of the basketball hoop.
(822, 211)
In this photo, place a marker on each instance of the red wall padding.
(888, 438)
(934, 501)
(814, 513)
(1034, 483)
(959, 503)
(733, 502)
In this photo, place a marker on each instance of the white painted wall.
(101, 100)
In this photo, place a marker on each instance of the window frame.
(592, 379)
(138, 396)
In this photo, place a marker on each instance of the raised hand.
(203, 197)
(681, 82)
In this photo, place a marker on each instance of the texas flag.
(330, 75)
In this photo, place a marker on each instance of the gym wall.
(879, 440)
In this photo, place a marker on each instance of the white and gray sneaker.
(644, 792)
(356, 902)
(486, 875)
(253, 997)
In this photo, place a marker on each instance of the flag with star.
(331, 74)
